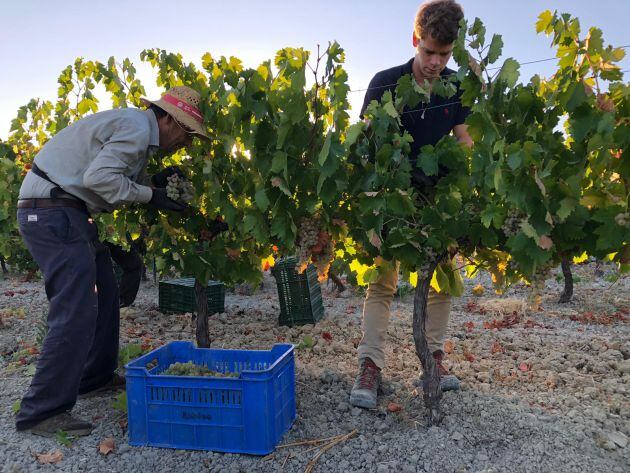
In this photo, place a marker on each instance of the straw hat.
(182, 103)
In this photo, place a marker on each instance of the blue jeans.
(80, 351)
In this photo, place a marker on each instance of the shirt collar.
(154, 139)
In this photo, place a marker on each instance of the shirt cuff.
(144, 194)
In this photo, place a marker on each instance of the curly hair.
(438, 19)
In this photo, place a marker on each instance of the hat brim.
(181, 117)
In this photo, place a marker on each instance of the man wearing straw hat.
(97, 164)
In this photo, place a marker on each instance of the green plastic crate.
(178, 296)
(300, 295)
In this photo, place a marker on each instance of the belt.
(49, 203)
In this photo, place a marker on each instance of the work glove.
(218, 226)
(214, 228)
(161, 201)
(161, 178)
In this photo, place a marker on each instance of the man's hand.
(161, 178)
(160, 200)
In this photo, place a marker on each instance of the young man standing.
(97, 164)
(435, 30)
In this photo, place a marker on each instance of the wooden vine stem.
(432, 393)
(201, 297)
(567, 294)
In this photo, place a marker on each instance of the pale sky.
(39, 38)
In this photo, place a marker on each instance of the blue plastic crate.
(248, 414)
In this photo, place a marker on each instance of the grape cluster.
(512, 223)
(179, 188)
(429, 258)
(538, 286)
(314, 246)
(623, 220)
(191, 369)
(308, 236)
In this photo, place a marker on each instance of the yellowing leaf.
(580, 259)
(361, 270)
(268, 262)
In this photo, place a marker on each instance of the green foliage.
(11, 246)
(129, 353)
(120, 402)
(62, 437)
(306, 343)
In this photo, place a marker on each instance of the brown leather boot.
(365, 389)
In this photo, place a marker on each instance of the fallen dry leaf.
(469, 326)
(497, 348)
(394, 407)
(327, 336)
(506, 322)
(106, 446)
(469, 356)
(449, 346)
(523, 367)
(51, 458)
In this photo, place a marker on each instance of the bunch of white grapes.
(314, 246)
(179, 188)
(323, 260)
(512, 223)
(622, 219)
(308, 236)
(191, 369)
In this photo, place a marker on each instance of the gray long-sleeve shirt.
(100, 159)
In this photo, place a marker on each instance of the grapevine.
(430, 256)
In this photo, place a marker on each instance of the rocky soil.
(543, 391)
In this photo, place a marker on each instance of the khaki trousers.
(376, 313)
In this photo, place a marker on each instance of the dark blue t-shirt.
(441, 114)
